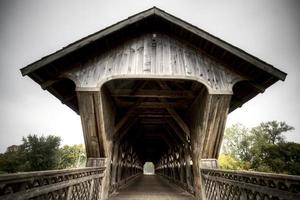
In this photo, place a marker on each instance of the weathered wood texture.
(154, 56)
(75, 184)
(89, 107)
(242, 185)
(151, 187)
(208, 123)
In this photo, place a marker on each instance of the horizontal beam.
(152, 121)
(153, 116)
(153, 104)
(153, 93)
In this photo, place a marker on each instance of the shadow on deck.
(151, 187)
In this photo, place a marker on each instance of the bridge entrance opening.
(152, 123)
(152, 117)
(148, 168)
(173, 123)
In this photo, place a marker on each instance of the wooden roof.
(46, 70)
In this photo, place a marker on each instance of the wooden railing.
(70, 184)
(240, 185)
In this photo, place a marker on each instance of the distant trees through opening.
(148, 168)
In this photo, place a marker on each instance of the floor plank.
(151, 187)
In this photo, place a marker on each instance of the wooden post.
(115, 159)
(97, 117)
(209, 118)
(120, 164)
(188, 170)
(182, 171)
(90, 119)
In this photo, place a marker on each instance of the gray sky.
(29, 30)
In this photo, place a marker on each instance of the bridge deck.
(151, 188)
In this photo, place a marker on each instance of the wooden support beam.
(258, 87)
(120, 136)
(153, 116)
(69, 98)
(125, 118)
(188, 168)
(152, 105)
(170, 134)
(90, 120)
(173, 113)
(122, 122)
(153, 93)
(176, 130)
(48, 83)
(115, 158)
(179, 121)
(152, 121)
(209, 118)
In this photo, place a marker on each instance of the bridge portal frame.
(153, 45)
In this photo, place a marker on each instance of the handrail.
(81, 183)
(230, 184)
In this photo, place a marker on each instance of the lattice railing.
(240, 185)
(70, 184)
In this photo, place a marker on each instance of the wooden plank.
(152, 121)
(153, 116)
(153, 105)
(153, 93)
(155, 11)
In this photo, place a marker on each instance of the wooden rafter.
(128, 127)
(173, 113)
(176, 130)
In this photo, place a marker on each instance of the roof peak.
(168, 18)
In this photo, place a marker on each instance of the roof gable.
(154, 12)
(47, 71)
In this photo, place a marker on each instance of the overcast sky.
(29, 30)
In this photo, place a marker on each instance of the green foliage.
(72, 156)
(282, 158)
(271, 132)
(263, 148)
(12, 161)
(226, 161)
(236, 142)
(41, 153)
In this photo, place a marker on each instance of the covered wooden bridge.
(152, 88)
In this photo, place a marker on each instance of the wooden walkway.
(151, 188)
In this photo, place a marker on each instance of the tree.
(226, 161)
(71, 156)
(271, 131)
(236, 142)
(41, 153)
(263, 148)
(282, 158)
(265, 137)
(12, 161)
